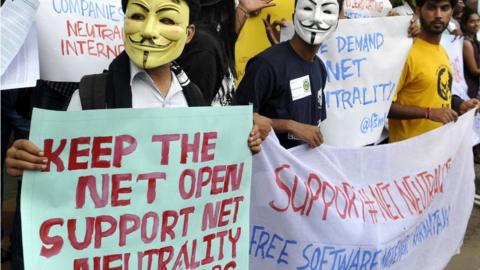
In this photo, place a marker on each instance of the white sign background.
(380, 228)
(78, 37)
(364, 61)
(355, 9)
(454, 47)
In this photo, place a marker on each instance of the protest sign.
(476, 130)
(17, 18)
(78, 37)
(23, 70)
(364, 60)
(252, 39)
(355, 9)
(139, 189)
(400, 206)
(454, 47)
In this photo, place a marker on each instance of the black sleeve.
(456, 102)
(257, 85)
(324, 75)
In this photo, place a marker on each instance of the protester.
(142, 76)
(454, 25)
(209, 60)
(423, 100)
(274, 28)
(470, 23)
(286, 81)
(473, 4)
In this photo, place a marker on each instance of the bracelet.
(427, 113)
(244, 11)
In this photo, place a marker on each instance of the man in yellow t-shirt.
(424, 94)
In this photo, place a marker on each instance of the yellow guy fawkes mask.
(155, 31)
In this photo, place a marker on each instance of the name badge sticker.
(300, 87)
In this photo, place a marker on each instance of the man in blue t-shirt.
(286, 81)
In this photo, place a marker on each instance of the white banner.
(398, 206)
(476, 130)
(355, 9)
(454, 47)
(78, 37)
(364, 61)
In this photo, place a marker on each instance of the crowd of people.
(284, 83)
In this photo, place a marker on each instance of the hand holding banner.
(398, 206)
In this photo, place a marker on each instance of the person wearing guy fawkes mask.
(286, 81)
(143, 76)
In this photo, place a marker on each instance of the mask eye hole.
(167, 21)
(307, 8)
(327, 12)
(137, 17)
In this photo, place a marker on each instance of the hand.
(307, 133)
(254, 140)
(443, 115)
(469, 104)
(393, 13)
(23, 155)
(414, 28)
(273, 29)
(255, 6)
(264, 125)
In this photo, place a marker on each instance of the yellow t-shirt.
(426, 81)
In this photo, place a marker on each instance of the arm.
(461, 106)
(307, 133)
(247, 7)
(469, 58)
(263, 123)
(408, 112)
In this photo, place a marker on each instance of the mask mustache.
(315, 26)
(148, 42)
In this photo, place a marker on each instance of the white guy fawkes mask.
(315, 20)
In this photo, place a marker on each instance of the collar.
(135, 71)
(175, 87)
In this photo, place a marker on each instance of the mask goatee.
(145, 57)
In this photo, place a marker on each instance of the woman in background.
(470, 24)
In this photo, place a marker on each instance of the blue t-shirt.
(282, 85)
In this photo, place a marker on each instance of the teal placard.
(139, 189)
